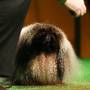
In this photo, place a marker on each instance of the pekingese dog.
(44, 56)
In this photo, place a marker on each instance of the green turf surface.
(84, 78)
(86, 70)
(58, 87)
(81, 83)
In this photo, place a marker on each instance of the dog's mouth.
(45, 41)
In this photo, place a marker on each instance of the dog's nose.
(48, 38)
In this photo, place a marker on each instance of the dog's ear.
(22, 55)
(23, 46)
(69, 63)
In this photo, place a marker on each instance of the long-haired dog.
(44, 56)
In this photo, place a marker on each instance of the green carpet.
(84, 78)
(86, 70)
(82, 83)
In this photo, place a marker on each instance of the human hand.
(78, 6)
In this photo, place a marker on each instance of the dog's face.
(45, 41)
(40, 38)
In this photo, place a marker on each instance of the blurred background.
(76, 29)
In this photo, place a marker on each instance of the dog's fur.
(44, 56)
